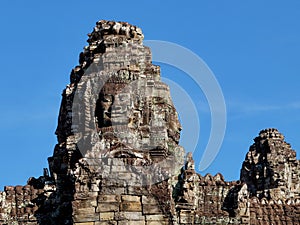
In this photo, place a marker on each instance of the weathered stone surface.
(118, 161)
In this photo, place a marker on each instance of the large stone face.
(118, 161)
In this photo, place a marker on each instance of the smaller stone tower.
(271, 169)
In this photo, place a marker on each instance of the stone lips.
(78, 191)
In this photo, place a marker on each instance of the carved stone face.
(103, 110)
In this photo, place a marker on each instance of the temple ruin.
(118, 160)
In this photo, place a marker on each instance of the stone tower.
(271, 169)
(118, 131)
(118, 160)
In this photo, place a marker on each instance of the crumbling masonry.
(118, 161)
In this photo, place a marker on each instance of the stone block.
(107, 207)
(81, 210)
(106, 223)
(108, 198)
(87, 223)
(129, 216)
(86, 217)
(131, 198)
(155, 217)
(148, 200)
(131, 223)
(151, 209)
(106, 216)
(157, 223)
(131, 206)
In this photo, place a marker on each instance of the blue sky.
(253, 48)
